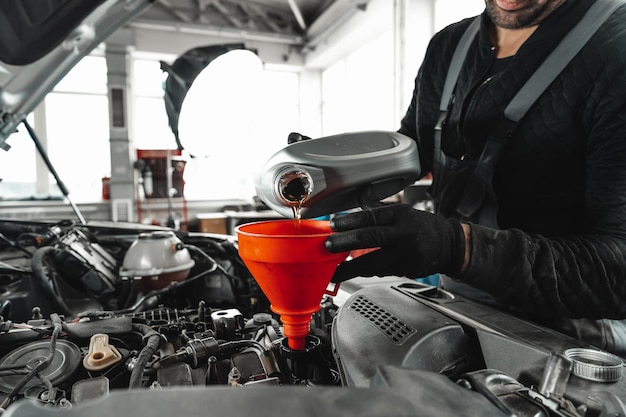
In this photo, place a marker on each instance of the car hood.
(41, 41)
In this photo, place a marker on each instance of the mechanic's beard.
(522, 18)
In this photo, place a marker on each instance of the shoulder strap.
(457, 62)
(547, 71)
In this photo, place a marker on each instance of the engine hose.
(152, 298)
(47, 279)
(241, 344)
(153, 341)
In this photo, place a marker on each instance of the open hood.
(40, 42)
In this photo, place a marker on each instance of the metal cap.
(595, 365)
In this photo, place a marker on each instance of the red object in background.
(155, 160)
(106, 188)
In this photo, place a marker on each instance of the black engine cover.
(417, 327)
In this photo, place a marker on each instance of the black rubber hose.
(46, 278)
(153, 341)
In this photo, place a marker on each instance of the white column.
(122, 153)
(413, 28)
(310, 102)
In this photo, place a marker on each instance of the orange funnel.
(293, 268)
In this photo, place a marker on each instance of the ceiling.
(286, 19)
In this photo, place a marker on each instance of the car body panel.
(26, 81)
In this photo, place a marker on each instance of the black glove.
(412, 243)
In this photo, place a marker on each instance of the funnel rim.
(239, 231)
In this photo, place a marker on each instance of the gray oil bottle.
(335, 173)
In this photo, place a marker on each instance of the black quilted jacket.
(561, 180)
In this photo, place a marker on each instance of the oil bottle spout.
(294, 186)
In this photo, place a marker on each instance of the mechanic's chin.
(520, 14)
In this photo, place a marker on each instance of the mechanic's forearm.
(499, 262)
(549, 276)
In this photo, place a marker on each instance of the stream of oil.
(297, 215)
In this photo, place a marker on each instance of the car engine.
(110, 318)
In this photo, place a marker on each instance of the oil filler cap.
(595, 365)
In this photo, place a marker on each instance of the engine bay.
(111, 319)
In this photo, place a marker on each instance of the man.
(543, 228)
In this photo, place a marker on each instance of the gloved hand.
(412, 243)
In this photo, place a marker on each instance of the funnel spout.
(296, 328)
